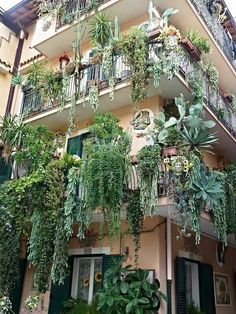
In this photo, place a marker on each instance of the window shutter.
(181, 286)
(15, 295)
(207, 297)
(5, 170)
(109, 261)
(74, 146)
(61, 293)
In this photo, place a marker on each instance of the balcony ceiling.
(53, 46)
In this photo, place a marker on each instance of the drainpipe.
(15, 70)
(169, 265)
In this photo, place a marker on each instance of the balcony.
(60, 35)
(215, 103)
(220, 33)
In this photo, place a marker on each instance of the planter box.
(170, 151)
(154, 33)
(191, 49)
(103, 84)
(93, 83)
(228, 97)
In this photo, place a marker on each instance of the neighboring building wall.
(8, 45)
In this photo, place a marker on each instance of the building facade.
(203, 274)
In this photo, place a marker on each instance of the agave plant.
(207, 188)
(198, 138)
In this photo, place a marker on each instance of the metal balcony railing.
(132, 182)
(220, 34)
(75, 9)
(94, 74)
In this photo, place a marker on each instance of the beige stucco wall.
(206, 250)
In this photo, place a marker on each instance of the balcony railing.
(76, 8)
(219, 33)
(94, 74)
(214, 99)
(165, 181)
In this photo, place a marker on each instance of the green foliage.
(135, 50)
(200, 42)
(135, 217)
(192, 309)
(77, 306)
(148, 169)
(33, 146)
(129, 292)
(103, 171)
(230, 184)
(94, 97)
(9, 260)
(65, 228)
(12, 133)
(101, 30)
(212, 74)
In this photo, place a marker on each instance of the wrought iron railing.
(75, 9)
(219, 33)
(132, 182)
(214, 99)
(94, 74)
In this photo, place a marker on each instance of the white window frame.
(75, 276)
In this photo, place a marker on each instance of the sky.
(6, 4)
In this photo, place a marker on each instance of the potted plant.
(64, 60)
(132, 292)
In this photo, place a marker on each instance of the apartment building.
(203, 274)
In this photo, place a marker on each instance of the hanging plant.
(134, 48)
(148, 169)
(135, 217)
(64, 228)
(94, 97)
(9, 260)
(103, 170)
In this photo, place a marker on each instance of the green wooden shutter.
(5, 170)
(181, 286)
(109, 261)
(15, 295)
(207, 297)
(61, 293)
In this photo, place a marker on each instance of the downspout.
(15, 70)
(169, 265)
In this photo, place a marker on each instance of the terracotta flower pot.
(154, 33)
(191, 48)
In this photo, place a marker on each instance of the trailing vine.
(135, 217)
(135, 50)
(148, 170)
(94, 97)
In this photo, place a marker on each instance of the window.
(86, 278)
(75, 144)
(194, 283)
